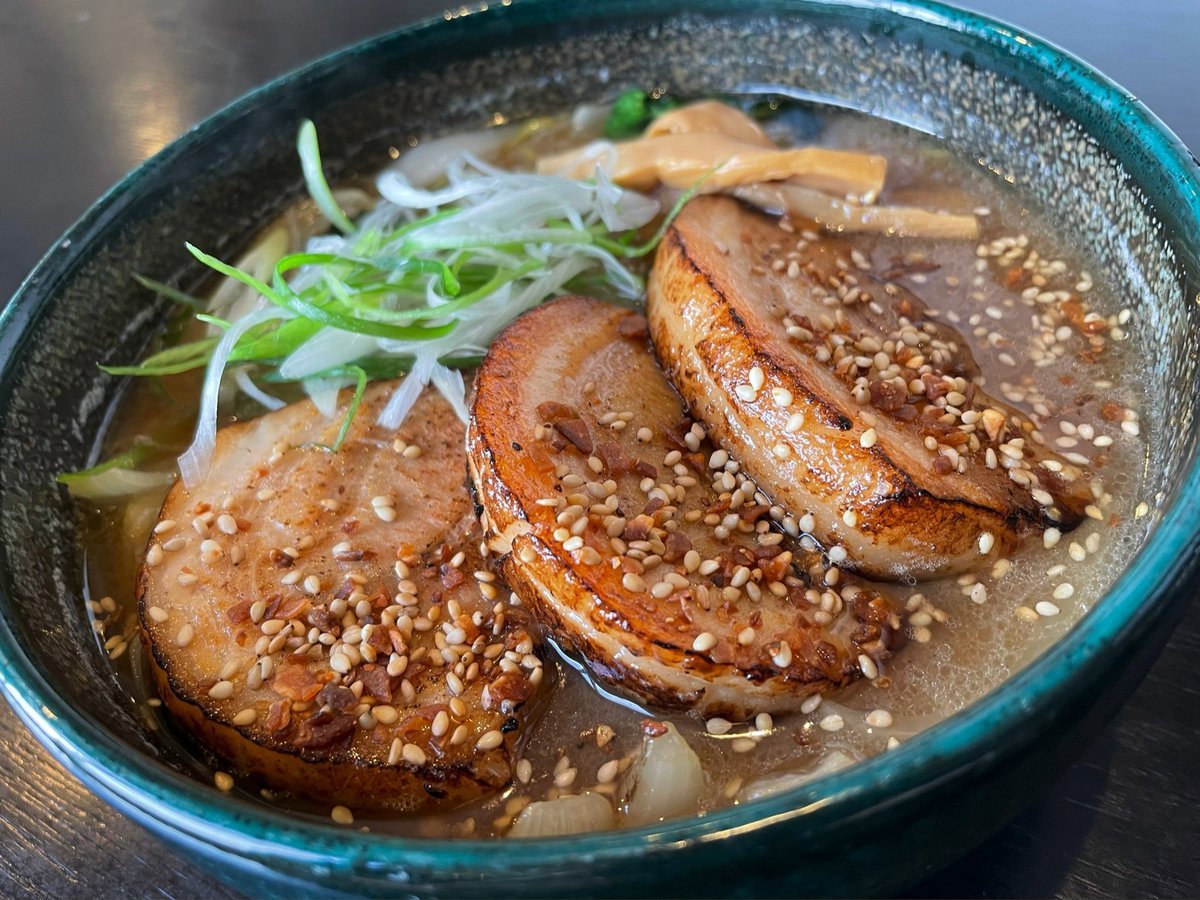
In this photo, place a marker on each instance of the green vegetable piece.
(314, 178)
(633, 110)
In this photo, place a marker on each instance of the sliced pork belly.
(639, 546)
(317, 620)
(850, 406)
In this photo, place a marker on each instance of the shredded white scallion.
(424, 280)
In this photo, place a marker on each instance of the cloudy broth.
(1049, 339)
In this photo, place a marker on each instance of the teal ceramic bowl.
(1096, 160)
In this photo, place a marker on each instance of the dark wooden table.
(88, 89)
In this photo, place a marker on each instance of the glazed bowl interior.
(1093, 159)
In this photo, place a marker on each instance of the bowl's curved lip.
(141, 785)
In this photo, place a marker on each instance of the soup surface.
(1049, 339)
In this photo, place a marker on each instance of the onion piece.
(566, 815)
(834, 761)
(195, 461)
(668, 781)
(116, 485)
(425, 163)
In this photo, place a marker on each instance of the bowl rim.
(186, 807)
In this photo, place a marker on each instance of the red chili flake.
(281, 560)
(654, 506)
(653, 728)
(238, 613)
(295, 682)
(319, 733)
(575, 431)
(638, 528)
(616, 461)
(677, 544)
(378, 683)
(552, 410)
(451, 577)
(508, 691)
(291, 608)
(279, 716)
(1112, 412)
(337, 698)
(887, 396)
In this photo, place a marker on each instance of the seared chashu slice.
(851, 407)
(316, 620)
(636, 544)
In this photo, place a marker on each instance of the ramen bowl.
(1086, 151)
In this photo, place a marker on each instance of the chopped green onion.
(633, 110)
(165, 290)
(314, 178)
(117, 478)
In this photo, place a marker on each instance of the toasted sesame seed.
(154, 555)
(783, 656)
(342, 815)
(704, 642)
(490, 740)
(185, 635)
(743, 744)
(413, 755)
(832, 722)
(340, 663)
(810, 703)
(525, 771)
(222, 690)
(879, 718)
(312, 584)
(986, 541)
(633, 583)
(746, 636)
(246, 716)
(717, 725)
(157, 613)
(757, 379)
(227, 524)
(869, 669)
(608, 772)
(868, 438)
(764, 722)
(1064, 591)
(1046, 608)
(223, 781)
(1050, 537)
(645, 435)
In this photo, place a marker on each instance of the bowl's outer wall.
(886, 825)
